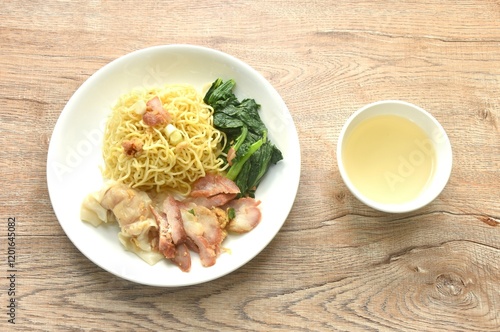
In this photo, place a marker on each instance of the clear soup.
(389, 159)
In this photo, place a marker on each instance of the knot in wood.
(449, 284)
(340, 196)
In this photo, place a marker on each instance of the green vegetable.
(236, 167)
(231, 213)
(241, 138)
(246, 133)
(220, 94)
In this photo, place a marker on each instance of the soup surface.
(389, 158)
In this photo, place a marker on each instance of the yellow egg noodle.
(162, 164)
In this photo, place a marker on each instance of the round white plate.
(74, 157)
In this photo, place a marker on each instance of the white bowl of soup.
(394, 156)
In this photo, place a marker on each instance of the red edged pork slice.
(174, 220)
(204, 233)
(212, 201)
(182, 257)
(213, 184)
(165, 241)
(247, 215)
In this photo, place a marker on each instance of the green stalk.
(236, 168)
(241, 138)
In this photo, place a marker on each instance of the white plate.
(74, 157)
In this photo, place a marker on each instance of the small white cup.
(433, 130)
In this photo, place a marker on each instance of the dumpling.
(132, 210)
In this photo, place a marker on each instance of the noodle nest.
(160, 165)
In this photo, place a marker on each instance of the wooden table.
(336, 264)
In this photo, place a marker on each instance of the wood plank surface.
(336, 265)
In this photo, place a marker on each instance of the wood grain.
(336, 265)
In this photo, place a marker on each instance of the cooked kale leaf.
(246, 134)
